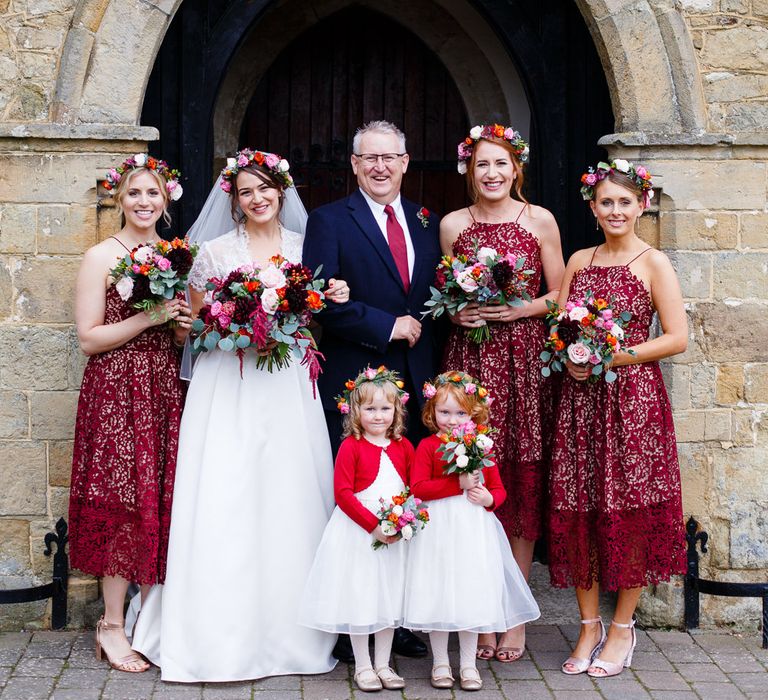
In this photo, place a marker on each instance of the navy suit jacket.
(346, 239)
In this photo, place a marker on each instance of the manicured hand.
(338, 291)
(469, 480)
(378, 534)
(480, 496)
(407, 328)
(501, 313)
(184, 321)
(579, 372)
(468, 317)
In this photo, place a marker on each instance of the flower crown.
(142, 160)
(276, 165)
(490, 131)
(469, 385)
(638, 174)
(378, 376)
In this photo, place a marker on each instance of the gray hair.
(380, 126)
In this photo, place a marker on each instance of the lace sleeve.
(202, 269)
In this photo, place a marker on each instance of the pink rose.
(404, 397)
(509, 133)
(370, 373)
(242, 161)
(228, 307)
(271, 160)
(641, 171)
(429, 390)
(344, 408)
(162, 263)
(595, 359)
(114, 175)
(578, 353)
(469, 427)
(417, 501)
(470, 388)
(136, 268)
(591, 179)
(569, 306)
(409, 516)
(226, 185)
(215, 308)
(606, 313)
(269, 300)
(599, 322)
(224, 321)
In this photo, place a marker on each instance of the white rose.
(231, 162)
(143, 254)
(176, 193)
(388, 528)
(140, 159)
(577, 313)
(283, 166)
(475, 132)
(484, 442)
(462, 461)
(460, 450)
(271, 277)
(125, 288)
(269, 300)
(398, 511)
(617, 332)
(407, 532)
(485, 254)
(578, 353)
(465, 280)
(524, 154)
(621, 165)
(461, 166)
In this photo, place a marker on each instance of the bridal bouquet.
(467, 448)
(268, 309)
(153, 272)
(484, 277)
(401, 517)
(586, 331)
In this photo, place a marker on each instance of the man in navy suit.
(387, 249)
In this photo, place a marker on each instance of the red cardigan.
(429, 481)
(357, 465)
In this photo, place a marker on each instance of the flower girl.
(461, 574)
(352, 587)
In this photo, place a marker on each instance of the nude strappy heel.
(581, 665)
(613, 669)
(121, 664)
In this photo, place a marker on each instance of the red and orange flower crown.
(278, 166)
(143, 160)
(638, 174)
(488, 131)
(377, 376)
(468, 384)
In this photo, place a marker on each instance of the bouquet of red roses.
(467, 448)
(588, 331)
(267, 309)
(484, 277)
(401, 517)
(153, 272)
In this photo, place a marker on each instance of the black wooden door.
(338, 75)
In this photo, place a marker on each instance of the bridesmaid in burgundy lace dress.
(615, 507)
(508, 364)
(127, 418)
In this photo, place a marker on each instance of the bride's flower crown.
(469, 385)
(638, 174)
(378, 376)
(276, 165)
(489, 131)
(143, 160)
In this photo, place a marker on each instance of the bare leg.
(620, 638)
(113, 641)
(589, 635)
(514, 639)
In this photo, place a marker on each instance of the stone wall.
(705, 60)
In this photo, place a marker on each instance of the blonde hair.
(474, 406)
(124, 185)
(364, 394)
(517, 187)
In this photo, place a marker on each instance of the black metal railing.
(694, 585)
(57, 588)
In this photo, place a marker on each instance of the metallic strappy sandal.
(120, 664)
(612, 669)
(581, 665)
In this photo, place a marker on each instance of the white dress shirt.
(381, 219)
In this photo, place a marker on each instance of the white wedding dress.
(253, 493)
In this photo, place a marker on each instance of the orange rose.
(151, 163)
(444, 438)
(252, 285)
(145, 269)
(424, 516)
(456, 378)
(399, 384)
(468, 141)
(381, 368)
(482, 392)
(481, 428)
(559, 345)
(498, 131)
(106, 185)
(601, 303)
(259, 157)
(392, 518)
(398, 500)
(314, 300)
(349, 384)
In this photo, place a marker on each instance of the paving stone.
(577, 695)
(485, 693)
(719, 643)
(717, 691)
(27, 688)
(327, 690)
(738, 663)
(751, 681)
(547, 642)
(415, 688)
(529, 690)
(14, 640)
(650, 661)
(708, 673)
(524, 669)
(86, 660)
(557, 680)
(621, 688)
(644, 642)
(177, 691)
(5, 674)
(48, 650)
(673, 695)
(549, 660)
(82, 678)
(413, 668)
(669, 638)
(84, 693)
(228, 691)
(662, 680)
(686, 654)
(127, 690)
(57, 636)
(279, 683)
(10, 657)
(276, 695)
(39, 667)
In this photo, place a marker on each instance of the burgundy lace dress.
(124, 459)
(508, 365)
(615, 504)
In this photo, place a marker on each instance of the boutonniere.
(423, 216)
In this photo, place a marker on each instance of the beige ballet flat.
(389, 679)
(581, 665)
(367, 680)
(441, 680)
(469, 679)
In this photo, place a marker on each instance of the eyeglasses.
(373, 158)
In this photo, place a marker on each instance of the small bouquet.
(268, 309)
(588, 331)
(467, 448)
(401, 517)
(484, 277)
(154, 272)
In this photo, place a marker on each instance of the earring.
(597, 224)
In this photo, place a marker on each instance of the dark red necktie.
(396, 240)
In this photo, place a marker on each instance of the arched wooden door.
(350, 68)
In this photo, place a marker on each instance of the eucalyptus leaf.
(597, 370)
(226, 344)
(243, 341)
(545, 356)
(545, 371)
(610, 376)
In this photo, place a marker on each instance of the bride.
(254, 482)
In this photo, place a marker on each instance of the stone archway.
(644, 45)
